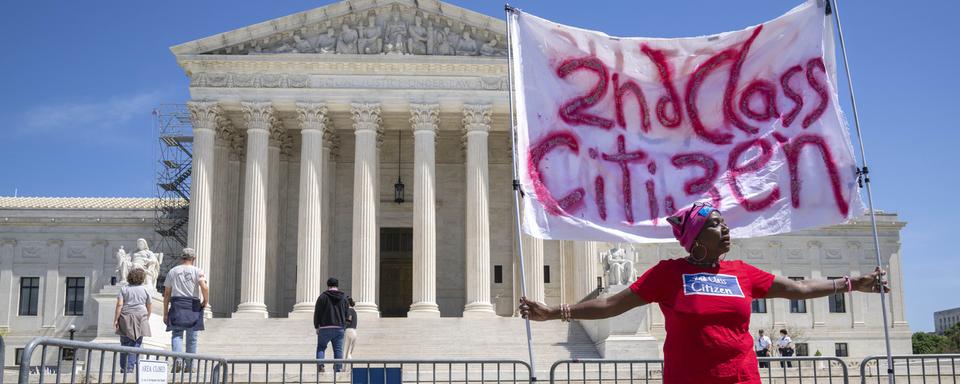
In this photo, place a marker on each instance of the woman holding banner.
(705, 301)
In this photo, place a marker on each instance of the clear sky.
(81, 78)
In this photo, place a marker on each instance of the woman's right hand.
(536, 311)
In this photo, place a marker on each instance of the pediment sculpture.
(394, 29)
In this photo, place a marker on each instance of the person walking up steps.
(329, 319)
(350, 333)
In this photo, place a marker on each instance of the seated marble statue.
(396, 33)
(417, 43)
(301, 45)
(327, 43)
(347, 43)
(618, 267)
(467, 45)
(142, 259)
(490, 48)
(443, 43)
(371, 39)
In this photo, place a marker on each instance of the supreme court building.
(305, 126)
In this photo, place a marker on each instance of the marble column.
(272, 263)
(313, 123)
(7, 249)
(533, 258)
(206, 117)
(331, 146)
(260, 119)
(366, 125)
(423, 121)
(476, 126)
(586, 268)
(224, 217)
(895, 279)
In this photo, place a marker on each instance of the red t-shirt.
(707, 315)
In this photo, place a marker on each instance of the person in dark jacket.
(329, 318)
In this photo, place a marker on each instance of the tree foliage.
(927, 343)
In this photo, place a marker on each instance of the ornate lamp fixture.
(398, 187)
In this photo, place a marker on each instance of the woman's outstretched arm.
(599, 308)
(783, 287)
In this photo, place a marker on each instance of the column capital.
(312, 117)
(259, 115)
(424, 117)
(206, 114)
(366, 116)
(476, 117)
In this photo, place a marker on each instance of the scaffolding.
(173, 168)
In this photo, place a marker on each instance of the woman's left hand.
(871, 282)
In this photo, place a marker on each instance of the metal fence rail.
(64, 360)
(374, 371)
(934, 368)
(792, 370)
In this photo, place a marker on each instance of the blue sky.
(81, 78)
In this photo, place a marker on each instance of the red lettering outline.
(572, 200)
(572, 111)
(767, 92)
(663, 68)
(820, 88)
(755, 164)
(791, 94)
(693, 87)
(620, 91)
(622, 157)
(792, 150)
(728, 95)
(699, 185)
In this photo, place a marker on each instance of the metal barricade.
(3, 360)
(933, 368)
(793, 370)
(67, 361)
(797, 369)
(374, 371)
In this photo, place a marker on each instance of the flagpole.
(864, 173)
(516, 185)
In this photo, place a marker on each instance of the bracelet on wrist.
(849, 283)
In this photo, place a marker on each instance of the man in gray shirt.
(185, 295)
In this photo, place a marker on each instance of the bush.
(927, 343)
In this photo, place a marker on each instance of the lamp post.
(398, 187)
(72, 329)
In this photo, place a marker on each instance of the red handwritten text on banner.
(617, 133)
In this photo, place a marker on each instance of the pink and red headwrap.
(688, 222)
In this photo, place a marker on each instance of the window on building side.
(841, 350)
(498, 274)
(802, 349)
(798, 306)
(17, 355)
(29, 295)
(74, 302)
(758, 306)
(838, 302)
(546, 274)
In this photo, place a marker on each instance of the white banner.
(615, 134)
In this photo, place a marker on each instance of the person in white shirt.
(785, 345)
(762, 346)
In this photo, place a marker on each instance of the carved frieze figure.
(453, 39)
(431, 38)
(490, 48)
(327, 43)
(467, 45)
(443, 45)
(301, 45)
(619, 267)
(347, 43)
(396, 33)
(417, 43)
(371, 36)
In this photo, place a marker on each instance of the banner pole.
(864, 173)
(508, 10)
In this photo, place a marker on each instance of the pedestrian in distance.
(131, 319)
(785, 346)
(185, 295)
(762, 346)
(705, 301)
(329, 319)
(350, 333)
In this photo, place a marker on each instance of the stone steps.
(499, 338)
